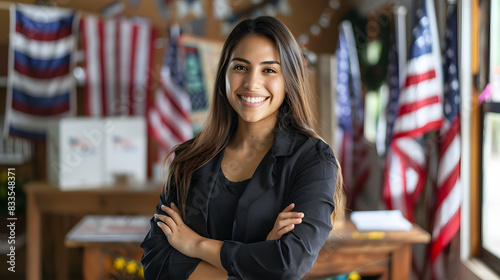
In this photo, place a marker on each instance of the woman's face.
(255, 86)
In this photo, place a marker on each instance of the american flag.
(448, 195)
(169, 115)
(353, 150)
(419, 111)
(343, 133)
(394, 91)
(118, 59)
(40, 84)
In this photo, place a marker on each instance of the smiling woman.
(226, 210)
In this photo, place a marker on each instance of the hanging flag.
(169, 115)
(343, 132)
(118, 55)
(448, 196)
(419, 111)
(391, 109)
(360, 165)
(40, 84)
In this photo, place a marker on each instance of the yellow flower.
(141, 272)
(353, 276)
(119, 264)
(131, 267)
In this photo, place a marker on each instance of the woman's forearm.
(206, 271)
(209, 251)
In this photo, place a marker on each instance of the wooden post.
(327, 81)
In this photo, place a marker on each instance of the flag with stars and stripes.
(169, 114)
(118, 59)
(419, 112)
(446, 212)
(343, 133)
(40, 84)
(354, 151)
(391, 109)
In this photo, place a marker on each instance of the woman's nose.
(252, 81)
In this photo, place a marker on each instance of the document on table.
(96, 228)
(389, 220)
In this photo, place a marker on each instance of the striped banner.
(118, 59)
(40, 84)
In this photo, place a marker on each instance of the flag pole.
(400, 13)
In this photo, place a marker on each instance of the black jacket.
(301, 170)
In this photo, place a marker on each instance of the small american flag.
(419, 111)
(359, 165)
(343, 135)
(448, 195)
(168, 116)
(40, 83)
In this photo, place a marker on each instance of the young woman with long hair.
(226, 210)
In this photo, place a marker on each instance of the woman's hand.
(179, 235)
(285, 222)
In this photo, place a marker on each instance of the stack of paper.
(94, 228)
(380, 220)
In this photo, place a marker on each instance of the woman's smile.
(252, 101)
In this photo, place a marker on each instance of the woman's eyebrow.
(248, 62)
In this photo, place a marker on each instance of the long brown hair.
(222, 119)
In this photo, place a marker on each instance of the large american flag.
(419, 111)
(169, 114)
(446, 213)
(40, 84)
(118, 58)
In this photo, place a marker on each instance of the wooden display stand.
(385, 253)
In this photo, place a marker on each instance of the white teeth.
(252, 99)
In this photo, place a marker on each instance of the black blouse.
(222, 206)
(298, 169)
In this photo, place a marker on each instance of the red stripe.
(415, 133)
(408, 162)
(449, 135)
(174, 103)
(172, 128)
(415, 106)
(102, 59)
(42, 74)
(448, 185)
(83, 27)
(153, 132)
(415, 79)
(445, 236)
(402, 172)
(39, 110)
(131, 104)
(39, 36)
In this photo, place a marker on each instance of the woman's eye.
(269, 71)
(240, 67)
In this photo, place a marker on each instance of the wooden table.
(386, 253)
(43, 198)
